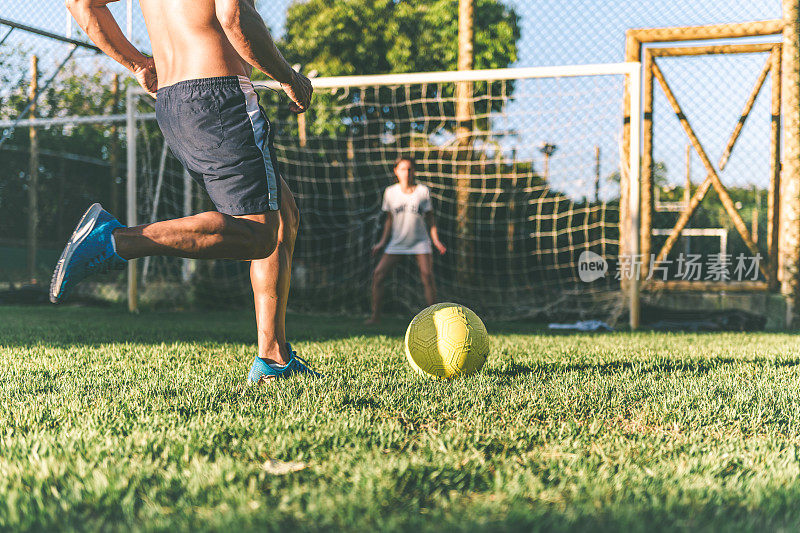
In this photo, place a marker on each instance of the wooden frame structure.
(712, 179)
(776, 269)
(789, 200)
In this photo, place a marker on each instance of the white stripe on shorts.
(260, 134)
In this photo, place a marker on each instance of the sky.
(562, 32)
(554, 31)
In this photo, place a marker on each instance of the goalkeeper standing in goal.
(207, 109)
(409, 220)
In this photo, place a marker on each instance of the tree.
(359, 37)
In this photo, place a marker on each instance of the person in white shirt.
(409, 221)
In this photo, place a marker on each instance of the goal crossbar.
(454, 76)
(371, 81)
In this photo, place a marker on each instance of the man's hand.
(145, 74)
(300, 91)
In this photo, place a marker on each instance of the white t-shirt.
(409, 231)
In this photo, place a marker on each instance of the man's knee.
(264, 239)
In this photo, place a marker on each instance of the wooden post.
(548, 150)
(712, 31)
(756, 212)
(687, 188)
(597, 173)
(350, 182)
(33, 175)
(61, 179)
(709, 49)
(646, 198)
(687, 193)
(790, 178)
(512, 208)
(773, 193)
(546, 167)
(466, 25)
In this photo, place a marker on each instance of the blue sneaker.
(89, 251)
(261, 371)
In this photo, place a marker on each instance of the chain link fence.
(554, 32)
(82, 163)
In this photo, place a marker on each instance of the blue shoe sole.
(82, 230)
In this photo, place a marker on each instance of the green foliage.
(357, 37)
(115, 422)
(660, 175)
(14, 65)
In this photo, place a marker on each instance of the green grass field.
(117, 422)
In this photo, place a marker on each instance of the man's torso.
(207, 107)
(188, 41)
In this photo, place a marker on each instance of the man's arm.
(248, 34)
(246, 31)
(99, 24)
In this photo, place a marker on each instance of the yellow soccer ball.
(446, 340)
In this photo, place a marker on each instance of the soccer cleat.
(90, 250)
(261, 371)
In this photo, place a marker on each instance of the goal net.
(523, 166)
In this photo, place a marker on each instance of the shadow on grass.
(697, 367)
(71, 325)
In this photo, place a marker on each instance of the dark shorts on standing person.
(215, 127)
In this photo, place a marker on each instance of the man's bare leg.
(208, 235)
(266, 238)
(385, 266)
(425, 263)
(270, 278)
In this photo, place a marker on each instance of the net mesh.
(527, 186)
(79, 164)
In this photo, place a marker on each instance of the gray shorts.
(215, 127)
